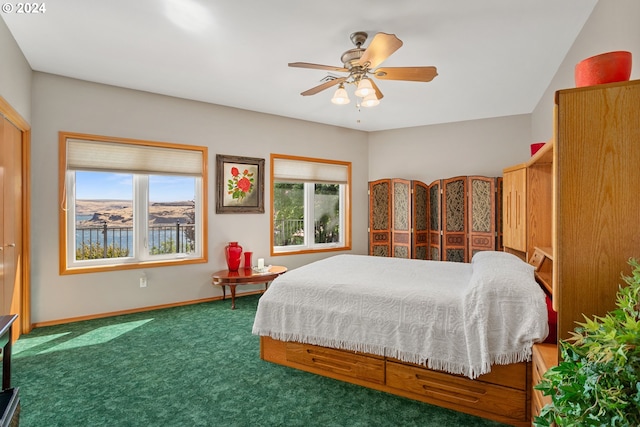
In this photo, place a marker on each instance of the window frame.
(345, 205)
(65, 215)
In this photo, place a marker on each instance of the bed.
(457, 335)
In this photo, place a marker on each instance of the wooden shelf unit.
(542, 260)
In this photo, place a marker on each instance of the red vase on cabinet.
(233, 253)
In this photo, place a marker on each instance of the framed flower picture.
(240, 184)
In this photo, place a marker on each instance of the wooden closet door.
(401, 218)
(454, 223)
(515, 208)
(11, 207)
(435, 220)
(420, 209)
(5, 262)
(380, 217)
(482, 214)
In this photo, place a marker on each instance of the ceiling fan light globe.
(370, 100)
(364, 88)
(340, 97)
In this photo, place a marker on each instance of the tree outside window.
(309, 215)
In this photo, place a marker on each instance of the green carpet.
(196, 365)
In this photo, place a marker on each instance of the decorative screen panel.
(380, 250)
(481, 205)
(435, 253)
(435, 224)
(454, 200)
(448, 220)
(420, 220)
(380, 206)
(401, 218)
(401, 205)
(482, 219)
(380, 218)
(456, 255)
(401, 251)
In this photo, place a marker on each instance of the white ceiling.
(494, 57)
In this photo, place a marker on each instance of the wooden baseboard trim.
(137, 310)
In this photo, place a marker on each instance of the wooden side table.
(244, 276)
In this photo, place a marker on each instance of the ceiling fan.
(361, 64)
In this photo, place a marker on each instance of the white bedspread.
(456, 317)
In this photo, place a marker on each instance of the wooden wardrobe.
(581, 210)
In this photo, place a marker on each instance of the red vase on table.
(233, 253)
(247, 260)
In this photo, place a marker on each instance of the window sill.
(310, 251)
(64, 270)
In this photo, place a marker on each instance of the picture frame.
(239, 184)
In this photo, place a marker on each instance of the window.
(310, 204)
(128, 203)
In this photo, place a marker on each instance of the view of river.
(93, 215)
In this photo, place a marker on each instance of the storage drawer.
(544, 357)
(342, 362)
(536, 403)
(513, 375)
(537, 377)
(458, 390)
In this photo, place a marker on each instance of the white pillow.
(495, 256)
(494, 268)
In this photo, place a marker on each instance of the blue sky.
(104, 185)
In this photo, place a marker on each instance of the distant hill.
(120, 212)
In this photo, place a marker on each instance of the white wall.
(478, 147)
(71, 105)
(613, 25)
(15, 74)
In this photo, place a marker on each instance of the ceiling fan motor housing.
(351, 57)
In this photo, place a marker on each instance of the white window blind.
(132, 158)
(309, 171)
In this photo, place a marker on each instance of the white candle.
(260, 262)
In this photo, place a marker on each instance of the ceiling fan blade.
(323, 86)
(380, 48)
(317, 66)
(379, 94)
(413, 74)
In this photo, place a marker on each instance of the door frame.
(18, 121)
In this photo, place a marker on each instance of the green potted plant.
(597, 382)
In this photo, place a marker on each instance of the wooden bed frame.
(502, 395)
